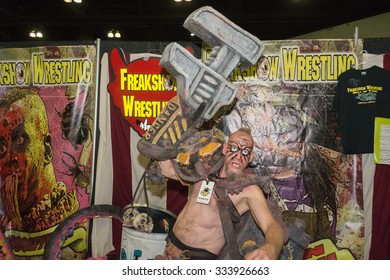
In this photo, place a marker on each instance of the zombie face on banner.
(31, 198)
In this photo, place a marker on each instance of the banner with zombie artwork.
(47, 100)
(286, 100)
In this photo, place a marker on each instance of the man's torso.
(199, 225)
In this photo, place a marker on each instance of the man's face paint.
(238, 156)
(233, 148)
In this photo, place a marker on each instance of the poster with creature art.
(286, 101)
(47, 100)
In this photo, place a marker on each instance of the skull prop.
(143, 222)
(128, 217)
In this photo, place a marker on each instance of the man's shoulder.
(249, 191)
(253, 188)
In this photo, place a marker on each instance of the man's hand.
(167, 169)
(265, 252)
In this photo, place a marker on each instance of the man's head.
(238, 152)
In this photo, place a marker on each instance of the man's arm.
(159, 171)
(273, 231)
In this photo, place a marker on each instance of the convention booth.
(82, 107)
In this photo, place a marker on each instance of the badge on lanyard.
(205, 192)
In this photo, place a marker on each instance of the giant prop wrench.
(202, 89)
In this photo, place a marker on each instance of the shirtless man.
(198, 231)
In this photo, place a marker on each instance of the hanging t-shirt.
(361, 95)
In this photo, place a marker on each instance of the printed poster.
(285, 99)
(47, 112)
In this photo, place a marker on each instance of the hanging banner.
(286, 100)
(47, 100)
(141, 89)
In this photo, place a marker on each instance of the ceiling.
(162, 20)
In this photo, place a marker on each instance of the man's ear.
(48, 149)
(251, 156)
(224, 148)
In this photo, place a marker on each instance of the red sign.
(140, 89)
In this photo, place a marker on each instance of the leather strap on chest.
(228, 213)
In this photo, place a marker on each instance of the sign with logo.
(140, 89)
